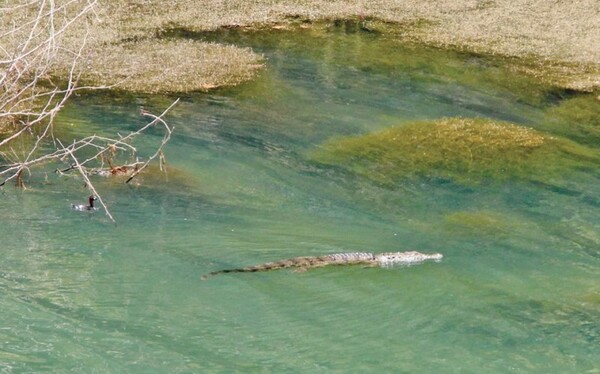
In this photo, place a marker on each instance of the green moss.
(477, 222)
(577, 118)
(591, 298)
(467, 151)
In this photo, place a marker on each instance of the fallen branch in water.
(49, 33)
(106, 149)
(89, 184)
(159, 151)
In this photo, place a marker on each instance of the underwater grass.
(479, 222)
(464, 150)
(331, 44)
(577, 118)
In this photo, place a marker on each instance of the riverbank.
(129, 45)
(554, 41)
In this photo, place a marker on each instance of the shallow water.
(517, 291)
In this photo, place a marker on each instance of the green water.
(518, 289)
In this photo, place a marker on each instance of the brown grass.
(556, 41)
(154, 66)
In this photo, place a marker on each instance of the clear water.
(517, 292)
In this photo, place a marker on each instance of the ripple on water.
(516, 291)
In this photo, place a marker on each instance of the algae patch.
(478, 223)
(464, 150)
(576, 118)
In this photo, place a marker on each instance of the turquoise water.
(518, 289)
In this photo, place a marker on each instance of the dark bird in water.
(85, 208)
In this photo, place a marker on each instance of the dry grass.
(154, 66)
(6, 128)
(556, 41)
(118, 58)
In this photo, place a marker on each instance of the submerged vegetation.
(344, 44)
(464, 150)
(577, 118)
(481, 223)
(158, 47)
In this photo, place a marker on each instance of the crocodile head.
(405, 258)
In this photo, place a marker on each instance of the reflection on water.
(517, 290)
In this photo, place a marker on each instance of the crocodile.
(384, 259)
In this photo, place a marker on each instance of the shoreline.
(553, 42)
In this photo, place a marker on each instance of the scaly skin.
(351, 258)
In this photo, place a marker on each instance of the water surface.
(517, 291)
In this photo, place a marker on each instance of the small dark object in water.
(84, 208)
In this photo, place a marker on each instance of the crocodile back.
(405, 258)
(350, 258)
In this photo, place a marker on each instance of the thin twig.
(168, 132)
(30, 100)
(89, 184)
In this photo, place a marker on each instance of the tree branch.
(31, 42)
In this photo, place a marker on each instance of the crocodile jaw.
(405, 258)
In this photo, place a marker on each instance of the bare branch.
(89, 184)
(159, 151)
(32, 41)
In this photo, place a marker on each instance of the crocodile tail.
(249, 269)
(217, 272)
(283, 264)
